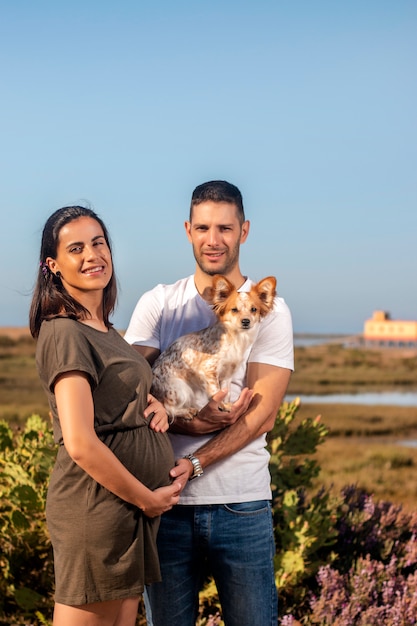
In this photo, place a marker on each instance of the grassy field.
(362, 447)
(21, 393)
(332, 368)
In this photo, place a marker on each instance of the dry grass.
(365, 448)
(21, 393)
(332, 368)
(361, 420)
(383, 468)
(14, 332)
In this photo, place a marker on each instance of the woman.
(111, 480)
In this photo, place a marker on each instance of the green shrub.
(304, 525)
(26, 459)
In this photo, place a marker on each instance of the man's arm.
(150, 354)
(269, 384)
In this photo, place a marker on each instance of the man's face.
(216, 234)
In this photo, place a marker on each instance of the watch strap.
(197, 468)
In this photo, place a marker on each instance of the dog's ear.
(222, 288)
(266, 290)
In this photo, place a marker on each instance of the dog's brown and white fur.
(195, 366)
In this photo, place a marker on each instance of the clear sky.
(309, 107)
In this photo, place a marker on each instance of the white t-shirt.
(170, 311)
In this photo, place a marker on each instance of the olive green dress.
(104, 548)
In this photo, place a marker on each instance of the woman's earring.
(58, 274)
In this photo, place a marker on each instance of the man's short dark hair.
(218, 191)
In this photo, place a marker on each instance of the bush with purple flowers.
(370, 594)
(345, 561)
(373, 580)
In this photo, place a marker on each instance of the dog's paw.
(189, 414)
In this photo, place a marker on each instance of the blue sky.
(309, 107)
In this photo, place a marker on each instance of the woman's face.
(83, 257)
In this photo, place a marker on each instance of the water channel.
(394, 398)
(385, 398)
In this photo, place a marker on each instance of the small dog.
(194, 367)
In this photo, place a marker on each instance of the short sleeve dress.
(104, 548)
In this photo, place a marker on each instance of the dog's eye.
(253, 309)
(235, 310)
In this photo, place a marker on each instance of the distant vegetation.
(361, 447)
(322, 369)
(21, 393)
(332, 368)
(362, 444)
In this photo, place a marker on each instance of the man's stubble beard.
(231, 261)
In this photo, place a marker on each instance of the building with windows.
(383, 331)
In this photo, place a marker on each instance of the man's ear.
(244, 231)
(187, 226)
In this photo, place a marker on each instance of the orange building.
(383, 330)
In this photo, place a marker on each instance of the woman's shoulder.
(59, 324)
(60, 331)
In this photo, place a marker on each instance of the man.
(223, 523)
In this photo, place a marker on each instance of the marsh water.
(394, 398)
(386, 398)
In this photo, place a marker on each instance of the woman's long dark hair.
(50, 298)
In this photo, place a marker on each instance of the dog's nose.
(246, 322)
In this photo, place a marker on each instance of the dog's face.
(242, 310)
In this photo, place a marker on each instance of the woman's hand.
(182, 472)
(161, 500)
(155, 412)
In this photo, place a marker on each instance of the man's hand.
(211, 418)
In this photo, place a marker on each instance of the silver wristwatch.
(197, 469)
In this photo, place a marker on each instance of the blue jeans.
(232, 542)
